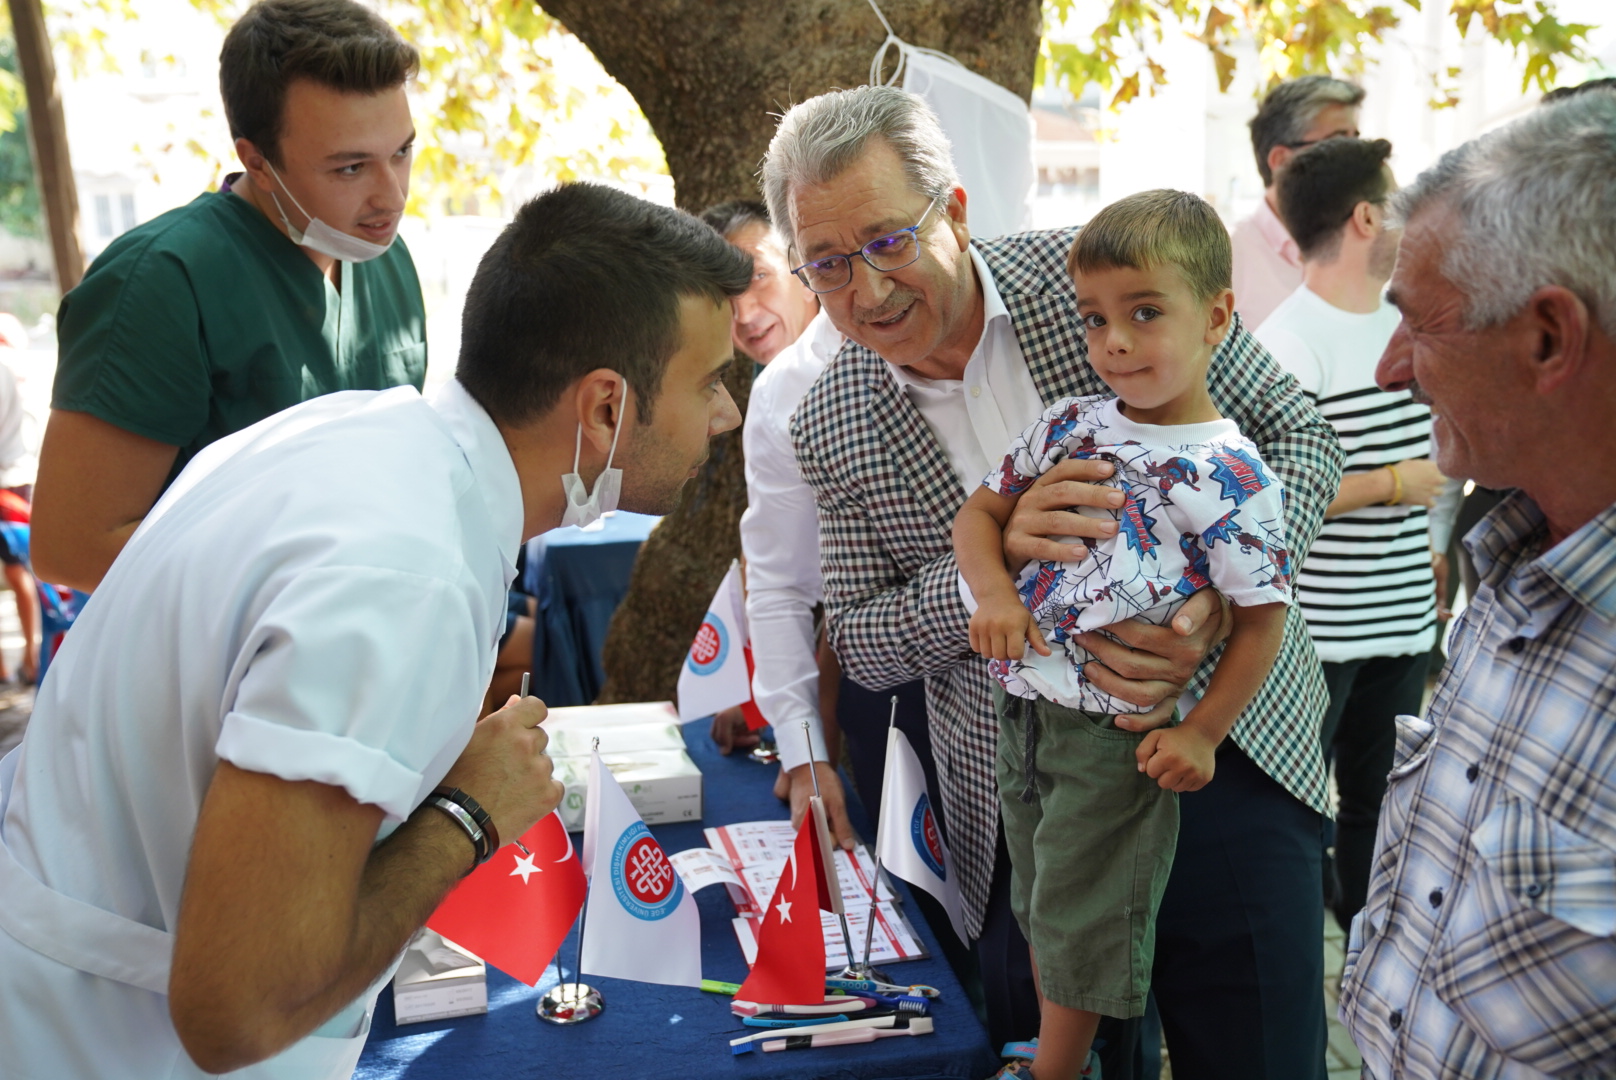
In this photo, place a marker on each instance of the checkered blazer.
(887, 497)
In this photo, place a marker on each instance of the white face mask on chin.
(586, 507)
(320, 237)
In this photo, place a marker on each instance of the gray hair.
(1290, 109)
(820, 138)
(1536, 205)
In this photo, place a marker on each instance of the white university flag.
(713, 676)
(907, 839)
(642, 922)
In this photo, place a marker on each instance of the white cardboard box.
(643, 747)
(437, 980)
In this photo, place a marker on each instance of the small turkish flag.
(755, 720)
(515, 910)
(790, 967)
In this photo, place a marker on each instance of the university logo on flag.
(643, 879)
(711, 647)
(927, 840)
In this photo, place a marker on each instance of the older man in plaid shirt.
(1486, 948)
(955, 347)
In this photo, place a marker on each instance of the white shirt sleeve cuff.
(369, 775)
(965, 595)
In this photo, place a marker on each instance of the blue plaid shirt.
(1486, 950)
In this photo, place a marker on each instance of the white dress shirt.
(976, 417)
(780, 539)
(974, 420)
(317, 597)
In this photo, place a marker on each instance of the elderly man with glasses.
(955, 347)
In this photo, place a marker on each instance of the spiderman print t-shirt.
(1200, 508)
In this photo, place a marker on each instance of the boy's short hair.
(586, 277)
(1158, 228)
(1323, 185)
(337, 43)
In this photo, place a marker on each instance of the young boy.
(1090, 810)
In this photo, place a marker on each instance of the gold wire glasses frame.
(894, 251)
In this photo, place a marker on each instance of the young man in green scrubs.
(288, 284)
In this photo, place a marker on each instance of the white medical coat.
(318, 597)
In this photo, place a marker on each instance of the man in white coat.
(255, 768)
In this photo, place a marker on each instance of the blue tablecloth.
(579, 577)
(667, 1031)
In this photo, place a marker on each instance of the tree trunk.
(711, 75)
(47, 134)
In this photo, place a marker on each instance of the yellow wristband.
(1397, 487)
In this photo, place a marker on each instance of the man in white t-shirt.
(1293, 116)
(1366, 588)
(255, 767)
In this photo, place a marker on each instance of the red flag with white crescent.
(515, 910)
(790, 966)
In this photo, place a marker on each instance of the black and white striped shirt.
(1366, 587)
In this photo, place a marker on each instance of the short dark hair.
(1321, 187)
(338, 43)
(1289, 110)
(1560, 93)
(1158, 228)
(729, 218)
(586, 277)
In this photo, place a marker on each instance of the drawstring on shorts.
(1025, 711)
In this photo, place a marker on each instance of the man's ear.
(1558, 323)
(1219, 317)
(252, 159)
(601, 407)
(955, 211)
(1278, 157)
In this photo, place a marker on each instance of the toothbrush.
(919, 1025)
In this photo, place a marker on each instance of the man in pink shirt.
(1294, 116)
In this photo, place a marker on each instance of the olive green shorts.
(1089, 855)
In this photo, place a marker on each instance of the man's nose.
(870, 287)
(1396, 368)
(726, 417)
(393, 191)
(746, 306)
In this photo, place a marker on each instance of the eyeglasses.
(1314, 142)
(894, 251)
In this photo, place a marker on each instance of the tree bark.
(711, 77)
(47, 134)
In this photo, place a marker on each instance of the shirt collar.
(993, 310)
(1275, 235)
(1583, 565)
(490, 459)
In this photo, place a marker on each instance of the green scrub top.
(208, 319)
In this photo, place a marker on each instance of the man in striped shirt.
(1366, 588)
(1487, 948)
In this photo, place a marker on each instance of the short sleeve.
(1247, 557)
(131, 346)
(361, 678)
(1035, 450)
(1296, 357)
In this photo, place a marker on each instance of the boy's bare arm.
(979, 542)
(1002, 627)
(1181, 758)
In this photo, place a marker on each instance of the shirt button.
(1436, 897)
(1473, 772)
(1534, 889)
(976, 391)
(1516, 644)
(1396, 1019)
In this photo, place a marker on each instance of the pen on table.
(920, 1025)
(526, 675)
